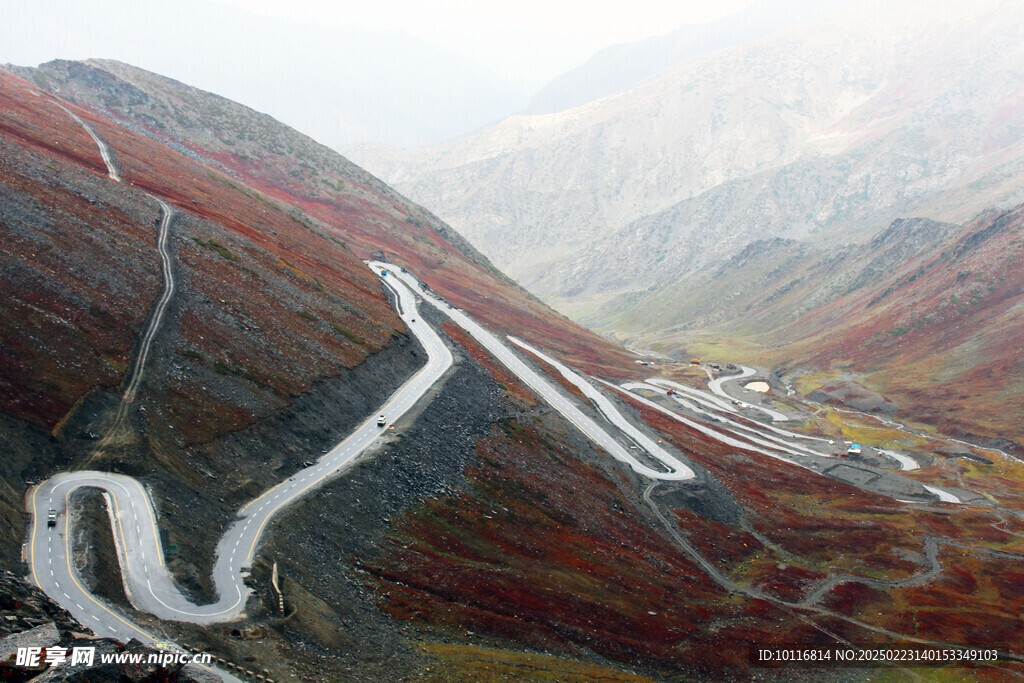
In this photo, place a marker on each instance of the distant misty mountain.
(619, 67)
(823, 133)
(338, 85)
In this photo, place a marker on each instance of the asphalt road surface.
(762, 438)
(673, 470)
(148, 584)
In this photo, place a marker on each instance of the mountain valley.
(823, 133)
(548, 505)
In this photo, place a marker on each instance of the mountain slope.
(620, 67)
(278, 340)
(926, 313)
(356, 207)
(346, 84)
(769, 285)
(256, 326)
(940, 335)
(484, 536)
(824, 132)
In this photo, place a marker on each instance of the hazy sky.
(401, 72)
(529, 40)
(561, 33)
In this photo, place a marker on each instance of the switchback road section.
(672, 469)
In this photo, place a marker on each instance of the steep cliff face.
(823, 133)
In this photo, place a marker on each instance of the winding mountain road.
(611, 413)
(677, 471)
(148, 583)
(123, 626)
(715, 386)
(764, 439)
(149, 586)
(753, 434)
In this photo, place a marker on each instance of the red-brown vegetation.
(938, 337)
(259, 276)
(540, 549)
